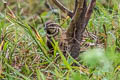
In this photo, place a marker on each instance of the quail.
(53, 30)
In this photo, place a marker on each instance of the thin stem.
(76, 4)
(89, 11)
(63, 8)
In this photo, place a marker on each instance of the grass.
(24, 54)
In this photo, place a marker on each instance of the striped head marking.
(52, 29)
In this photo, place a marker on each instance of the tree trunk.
(80, 17)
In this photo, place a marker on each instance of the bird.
(54, 30)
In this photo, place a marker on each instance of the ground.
(24, 54)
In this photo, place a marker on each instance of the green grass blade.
(17, 72)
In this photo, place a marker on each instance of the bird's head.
(52, 29)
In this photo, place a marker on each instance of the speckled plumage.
(53, 30)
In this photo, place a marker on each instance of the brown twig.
(50, 7)
(105, 31)
(47, 5)
(63, 8)
(76, 4)
(89, 11)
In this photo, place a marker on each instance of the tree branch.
(52, 9)
(76, 4)
(75, 18)
(89, 11)
(63, 8)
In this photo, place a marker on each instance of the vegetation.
(24, 53)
